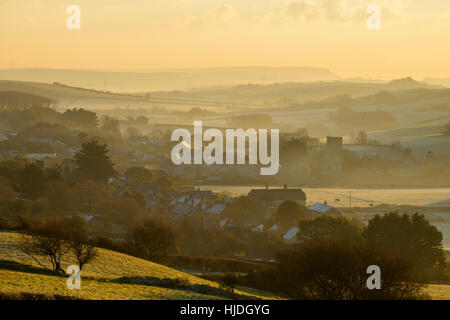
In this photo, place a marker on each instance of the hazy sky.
(148, 34)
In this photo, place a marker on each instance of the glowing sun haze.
(153, 34)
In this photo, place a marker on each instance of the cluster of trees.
(56, 239)
(296, 148)
(20, 100)
(151, 238)
(337, 271)
(33, 116)
(27, 179)
(198, 240)
(139, 120)
(154, 237)
(93, 162)
(54, 131)
(197, 113)
(79, 118)
(333, 254)
(409, 237)
(255, 121)
(346, 101)
(19, 119)
(32, 181)
(348, 120)
(245, 210)
(289, 213)
(29, 189)
(331, 262)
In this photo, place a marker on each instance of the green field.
(112, 276)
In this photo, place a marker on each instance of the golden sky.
(414, 39)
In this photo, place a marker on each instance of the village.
(179, 197)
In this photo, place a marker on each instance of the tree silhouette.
(31, 182)
(330, 229)
(80, 118)
(93, 162)
(411, 237)
(289, 213)
(338, 271)
(140, 174)
(245, 210)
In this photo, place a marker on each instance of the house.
(14, 154)
(223, 222)
(156, 142)
(186, 205)
(151, 202)
(205, 195)
(40, 156)
(181, 199)
(273, 197)
(259, 228)
(182, 209)
(40, 140)
(320, 208)
(87, 218)
(229, 200)
(10, 133)
(218, 208)
(290, 234)
(3, 137)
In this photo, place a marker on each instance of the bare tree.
(84, 253)
(45, 240)
(151, 238)
(78, 242)
(54, 239)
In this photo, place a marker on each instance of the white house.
(217, 208)
(40, 156)
(321, 208)
(3, 137)
(290, 234)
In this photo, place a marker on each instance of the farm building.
(273, 197)
(320, 208)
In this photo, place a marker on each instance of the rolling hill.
(112, 276)
(59, 91)
(168, 79)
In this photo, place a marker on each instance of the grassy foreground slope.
(112, 276)
(119, 276)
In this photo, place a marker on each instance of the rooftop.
(278, 194)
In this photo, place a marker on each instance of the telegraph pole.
(350, 199)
